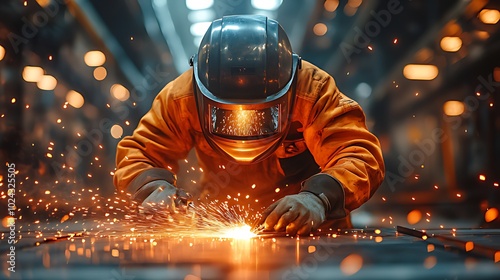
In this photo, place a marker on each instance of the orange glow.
(430, 248)
(469, 246)
(94, 58)
(351, 264)
(379, 239)
(451, 44)
(43, 3)
(414, 217)
(423, 72)
(496, 74)
(497, 256)
(64, 218)
(482, 177)
(2, 52)
(453, 108)
(100, 73)
(239, 232)
(488, 16)
(120, 92)
(75, 99)
(47, 82)
(8, 221)
(115, 253)
(32, 73)
(116, 131)
(311, 249)
(430, 262)
(331, 5)
(491, 215)
(320, 29)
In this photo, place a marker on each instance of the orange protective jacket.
(328, 135)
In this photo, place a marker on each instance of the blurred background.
(77, 75)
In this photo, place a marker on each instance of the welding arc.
(456, 244)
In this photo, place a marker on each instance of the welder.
(271, 132)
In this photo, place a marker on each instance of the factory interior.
(76, 76)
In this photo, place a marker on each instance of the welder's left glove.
(296, 214)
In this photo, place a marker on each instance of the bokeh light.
(451, 44)
(47, 82)
(94, 58)
(331, 5)
(420, 72)
(488, 16)
(100, 73)
(414, 217)
(2, 52)
(116, 131)
(320, 29)
(32, 73)
(75, 99)
(351, 264)
(491, 215)
(453, 108)
(120, 92)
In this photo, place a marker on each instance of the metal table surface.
(354, 254)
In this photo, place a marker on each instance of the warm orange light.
(120, 92)
(414, 217)
(47, 82)
(8, 221)
(430, 262)
(2, 52)
(116, 131)
(331, 5)
(430, 248)
(453, 108)
(451, 44)
(469, 246)
(100, 73)
(75, 99)
(311, 249)
(483, 35)
(496, 74)
(94, 58)
(351, 264)
(43, 3)
(488, 16)
(482, 177)
(32, 73)
(320, 29)
(239, 232)
(354, 3)
(491, 215)
(420, 71)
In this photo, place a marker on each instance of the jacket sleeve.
(151, 153)
(348, 154)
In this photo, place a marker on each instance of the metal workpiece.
(333, 254)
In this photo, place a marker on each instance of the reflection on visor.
(244, 122)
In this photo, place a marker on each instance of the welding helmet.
(244, 81)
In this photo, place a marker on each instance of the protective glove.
(297, 214)
(166, 196)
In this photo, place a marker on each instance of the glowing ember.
(239, 232)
